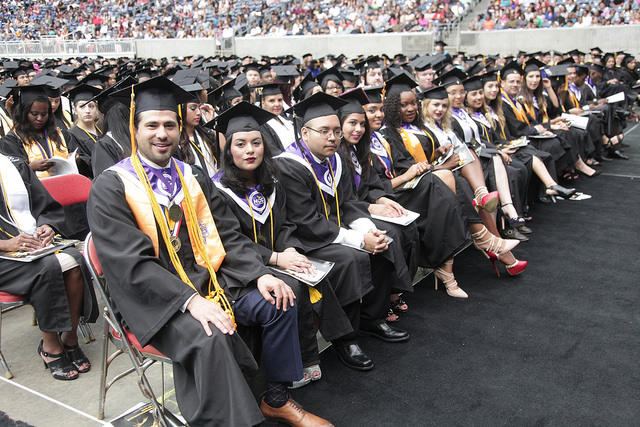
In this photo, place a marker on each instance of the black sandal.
(399, 305)
(60, 367)
(77, 357)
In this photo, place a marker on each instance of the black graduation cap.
(374, 93)
(158, 93)
(512, 67)
(331, 74)
(242, 117)
(265, 69)
(533, 64)
(269, 89)
(225, 92)
(194, 89)
(285, 71)
(83, 92)
(475, 67)
(422, 63)
(556, 71)
(355, 98)
(575, 52)
(105, 102)
(473, 83)
(597, 67)
(566, 61)
(371, 62)
(20, 71)
(146, 73)
(440, 43)
(490, 76)
(317, 105)
(30, 93)
(304, 88)
(400, 83)
(53, 84)
(185, 77)
(94, 79)
(597, 50)
(252, 66)
(7, 86)
(581, 70)
(438, 92)
(452, 77)
(395, 71)
(349, 75)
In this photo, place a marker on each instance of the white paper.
(618, 97)
(401, 220)
(63, 166)
(576, 121)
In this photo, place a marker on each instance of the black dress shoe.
(604, 159)
(386, 333)
(513, 233)
(617, 154)
(353, 356)
(524, 229)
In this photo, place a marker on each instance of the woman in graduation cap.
(405, 128)
(55, 283)
(441, 225)
(507, 180)
(248, 180)
(85, 131)
(35, 138)
(197, 143)
(544, 107)
(537, 161)
(278, 131)
(354, 147)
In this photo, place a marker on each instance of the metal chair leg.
(5, 366)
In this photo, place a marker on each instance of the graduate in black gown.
(35, 138)
(278, 131)
(248, 181)
(197, 144)
(367, 187)
(55, 284)
(86, 130)
(320, 201)
(176, 262)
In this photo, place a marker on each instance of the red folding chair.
(124, 342)
(68, 190)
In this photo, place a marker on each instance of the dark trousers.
(280, 344)
(209, 373)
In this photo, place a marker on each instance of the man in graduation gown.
(320, 201)
(173, 257)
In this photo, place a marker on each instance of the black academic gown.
(208, 371)
(441, 225)
(106, 153)
(42, 280)
(368, 280)
(75, 225)
(333, 321)
(85, 142)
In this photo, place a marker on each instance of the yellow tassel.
(314, 295)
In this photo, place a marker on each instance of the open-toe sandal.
(60, 367)
(399, 305)
(78, 358)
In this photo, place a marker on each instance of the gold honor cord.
(253, 220)
(201, 152)
(216, 296)
(335, 190)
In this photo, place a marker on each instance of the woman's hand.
(207, 111)
(21, 242)
(452, 162)
(506, 157)
(546, 83)
(417, 169)
(40, 165)
(45, 234)
(389, 208)
(375, 241)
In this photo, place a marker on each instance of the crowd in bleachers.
(66, 19)
(515, 14)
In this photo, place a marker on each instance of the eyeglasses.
(326, 132)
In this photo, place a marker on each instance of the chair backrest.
(68, 189)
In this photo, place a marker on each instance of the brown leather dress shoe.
(293, 414)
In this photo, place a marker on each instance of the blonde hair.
(445, 123)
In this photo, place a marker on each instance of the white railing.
(53, 48)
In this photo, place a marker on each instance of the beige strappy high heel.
(485, 241)
(449, 281)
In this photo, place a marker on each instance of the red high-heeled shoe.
(514, 269)
(489, 202)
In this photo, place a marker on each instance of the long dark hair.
(232, 178)
(61, 119)
(22, 127)
(116, 121)
(207, 136)
(363, 150)
(392, 116)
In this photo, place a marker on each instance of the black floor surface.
(556, 346)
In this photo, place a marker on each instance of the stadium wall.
(609, 39)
